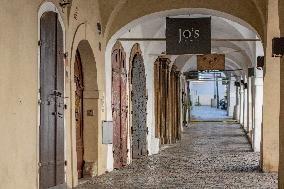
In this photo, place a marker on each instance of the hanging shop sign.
(188, 36)
(191, 75)
(211, 62)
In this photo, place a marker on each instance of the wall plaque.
(211, 62)
(188, 36)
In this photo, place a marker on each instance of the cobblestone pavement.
(208, 113)
(210, 155)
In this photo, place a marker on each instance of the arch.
(90, 108)
(138, 103)
(245, 13)
(246, 50)
(50, 7)
(85, 41)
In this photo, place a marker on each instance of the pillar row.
(258, 103)
(232, 97)
(241, 105)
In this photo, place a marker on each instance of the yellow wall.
(281, 124)
(19, 87)
(271, 105)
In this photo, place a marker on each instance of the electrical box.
(107, 132)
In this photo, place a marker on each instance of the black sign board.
(191, 75)
(188, 36)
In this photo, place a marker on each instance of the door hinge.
(65, 106)
(39, 43)
(65, 162)
(147, 152)
(39, 102)
(147, 130)
(131, 130)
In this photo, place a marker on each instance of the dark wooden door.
(52, 102)
(78, 78)
(139, 108)
(119, 107)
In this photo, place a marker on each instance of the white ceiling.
(239, 55)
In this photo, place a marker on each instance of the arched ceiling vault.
(116, 14)
(239, 55)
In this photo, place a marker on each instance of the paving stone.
(210, 155)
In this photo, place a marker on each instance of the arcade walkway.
(210, 155)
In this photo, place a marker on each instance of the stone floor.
(210, 155)
(208, 113)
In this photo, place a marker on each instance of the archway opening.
(86, 110)
(138, 104)
(52, 137)
(169, 107)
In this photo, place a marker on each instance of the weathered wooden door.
(119, 107)
(139, 108)
(78, 79)
(52, 103)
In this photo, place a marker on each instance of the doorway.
(139, 108)
(52, 161)
(78, 79)
(119, 106)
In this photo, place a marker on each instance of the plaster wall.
(281, 124)
(271, 106)
(19, 78)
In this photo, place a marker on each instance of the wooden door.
(139, 108)
(51, 165)
(78, 79)
(119, 107)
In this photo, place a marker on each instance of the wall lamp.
(245, 85)
(260, 62)
(251, 72)
(278, 46)
(237, 84)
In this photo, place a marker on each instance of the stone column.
(258, 85)
(281, 128)
(245, 109)
(232, 99)
(237, 106)
(241, 105)
(250, 113)
(271, 102)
